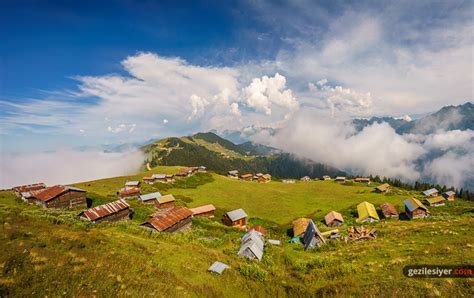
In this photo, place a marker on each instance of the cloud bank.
(66, 166)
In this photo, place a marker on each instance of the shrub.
(252, 271)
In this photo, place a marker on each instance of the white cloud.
(122, 128)
(451, 169)
(66, 166)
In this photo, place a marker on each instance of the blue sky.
(80, 73)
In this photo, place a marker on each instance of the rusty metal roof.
(246, 176)
(101, 211)
(359, 179)
(29, 187)
(167, 219)
(333, 215)
(388, 209)
(259, 229)
(51, 192)
(203, 209)
(129, 191)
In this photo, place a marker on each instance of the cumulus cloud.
(264, 93)
(66, 166)
(452, 169)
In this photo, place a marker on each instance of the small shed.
(218, 267)
(288, 181)
(433, 192)
(148, 180)
(388, 210)
(129, 193)
(251, 245)
(28, 188)
(112, 211)
(160, 178)
(265, 178)
(326, 177)
(172, 220)
(312, 236)
(60, 196)
(233, 174)
(334, 219)
(132, 184)
(305, 178)
(415, 209)
(246, 177)
(204, 211)
(449, 195)
(202, 169)
(235, 218)
(340, 179)
(164, 202)
(362, 180)
(150, 198)
(367, 212)
(383, 188)
(435, 201)
(299, 226)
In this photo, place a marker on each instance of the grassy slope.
(51, 252)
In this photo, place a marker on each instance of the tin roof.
(132, 183)
(150, 196)
(29, 187)
(311, 231)
(361, 179)
(236, 214)
(54, 191)
(101, 211)
(299, 226)
(449, 193)
(365, 210)
(430, 192)
(413, 204)
(246, 175)
(340, 178)
(254, 237)
(251, 246)
(388, 209)
(435, 200)
(167, 219)
(233, 172)
(333, 215)
(159, 176)
(203, 209)
(166, 199)
(218, 267)
(383, 187)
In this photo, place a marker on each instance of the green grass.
(52, 252)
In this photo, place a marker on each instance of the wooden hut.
(299, 226)
(148, 180)
(235, 218)
(388, 210)
(340, 179)
(367, 212)
(265, 178)
(204, 211)
(312, 236)
(60, 196)
(334, 219)
(432, 192)
(435, 201)
(382, 188)
(172, 220)
(305, 178)
(246, 177)
(150, 198)
(164, 202)
(362, 180)
(415, 209)
(129, 193)
(233, 174)
(132, 184)
(112, 211)
(326, 177)
(449, 195)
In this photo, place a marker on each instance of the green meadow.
(53, 253)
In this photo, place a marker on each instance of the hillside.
(52, 252)
(221, 155)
